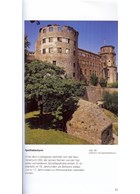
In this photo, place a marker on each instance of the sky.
(92, 34)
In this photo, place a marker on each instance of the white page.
(98, 163)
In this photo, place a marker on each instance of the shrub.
(103, 82)
(112, 85)
(93, 79)
(111, 102)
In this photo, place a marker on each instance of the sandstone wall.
(59, 45)
(90, 123)
(94, 94)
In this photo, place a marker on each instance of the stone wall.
(90, 123)
(59, 45)
(94, 94)
(108, 58)
(89, 63)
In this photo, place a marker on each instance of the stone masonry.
(90, 123)
(59, 46)
(94, 94)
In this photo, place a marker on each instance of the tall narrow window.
(51, 50)
(44, 40)
(73, 74)
(44, 51)
(50, 29)
(74, 53)
(74, 43)
(74, 65)
(59, 50)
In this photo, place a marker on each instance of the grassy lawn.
(37, 132)
(114, 120)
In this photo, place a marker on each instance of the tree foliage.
(111, 102)
(103, 82)
(26, 46)
(93, 79)
(46, 85)
(112, 85)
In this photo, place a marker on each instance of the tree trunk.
(41, 109)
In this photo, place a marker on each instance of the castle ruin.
(59, 46)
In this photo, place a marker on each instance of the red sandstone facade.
(59, 45)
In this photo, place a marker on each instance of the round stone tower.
(59, 46)
(108, 58)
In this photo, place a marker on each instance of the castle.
(59, 46)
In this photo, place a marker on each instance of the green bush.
(94, 80)
(103, 82)
(112, 85)
(111, 102)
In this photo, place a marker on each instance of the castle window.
(59, 28)
(74, 65)
(50, 39)
(74, 43)
(59, 39)
(67, 51)
(73, 74)
(44, 30)
(51, 50)
(44, 51)
(54, 62)
(74, 53)
(59, 50)
(68, 29)
(44, 40)
(50, 29)
(68, 40)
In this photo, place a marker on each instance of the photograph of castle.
(71, 82)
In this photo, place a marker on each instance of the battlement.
(59, 46)
(59, 29)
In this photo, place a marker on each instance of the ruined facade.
(59, 46)
(89, 122)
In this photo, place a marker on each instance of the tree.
(35, 21)
(46, 85)
(103, 82)
(26, 46)
(111, 102)
(94, 79)
(112, 85)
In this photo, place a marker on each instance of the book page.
(70, 131)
